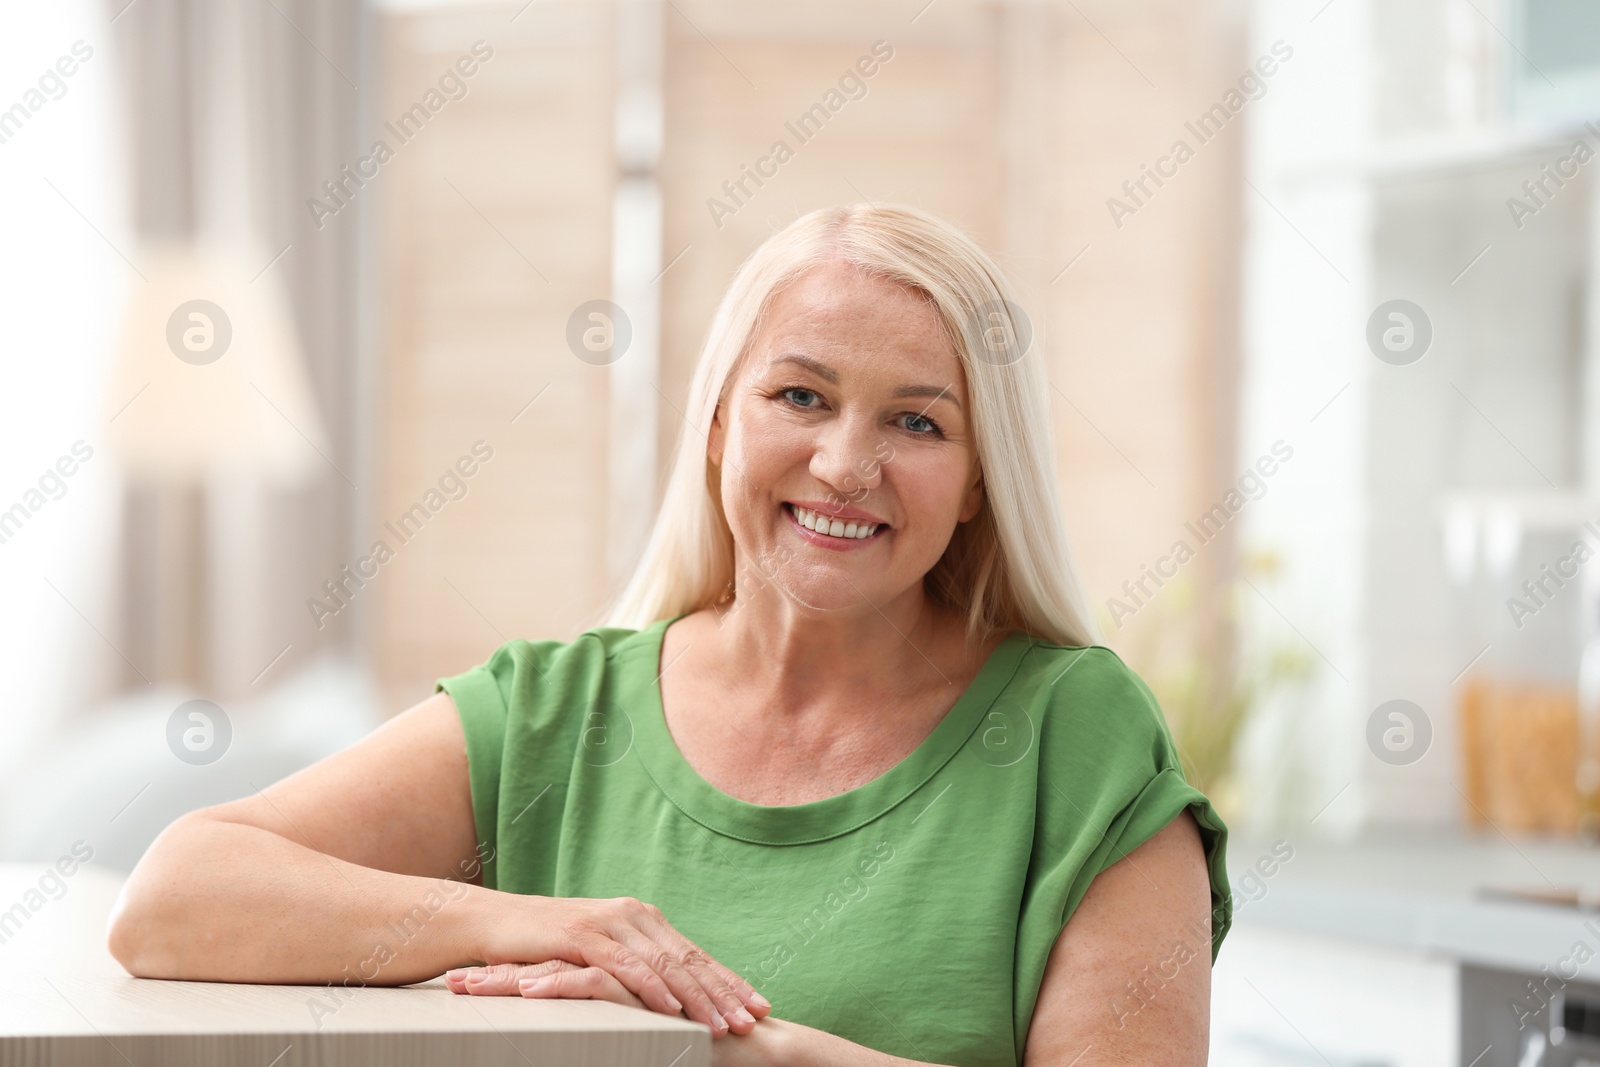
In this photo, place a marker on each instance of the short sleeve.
(1111, 779)
(1164, 795)
(482, 696)
(1162, 799)
(522, 712)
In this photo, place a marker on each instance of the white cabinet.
(1285, 999)
(1388, 166)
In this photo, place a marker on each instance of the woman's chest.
(761, 757)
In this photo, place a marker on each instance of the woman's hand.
(553, 978)
(631, 948)
(775, 1043)
(557, 979)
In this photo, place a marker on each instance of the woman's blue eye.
(920, 425)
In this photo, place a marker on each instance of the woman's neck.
(799, 660)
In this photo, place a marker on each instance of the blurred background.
(345, 341)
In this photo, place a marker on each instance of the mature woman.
(846, 737)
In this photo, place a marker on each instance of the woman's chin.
(835, 593)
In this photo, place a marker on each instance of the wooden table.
(64, 1000)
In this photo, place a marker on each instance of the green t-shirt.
(913, 914)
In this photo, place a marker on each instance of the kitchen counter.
(1423, 892)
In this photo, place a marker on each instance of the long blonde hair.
(1011, 566)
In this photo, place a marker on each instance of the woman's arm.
(364, 869)
(308, 877)
(1129, 980)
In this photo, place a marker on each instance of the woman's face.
(852, 403)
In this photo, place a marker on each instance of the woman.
(846, 736)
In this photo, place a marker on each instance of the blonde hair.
(1011, 566)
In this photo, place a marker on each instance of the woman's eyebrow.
(930, 391)
(823, 371)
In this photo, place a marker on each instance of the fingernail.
(718, 1022)
(537, 985)
(674, 1003)
(761, 1001)
(475, 977)
(456, 974)
(743, 1016)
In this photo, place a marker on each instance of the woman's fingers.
(660, 992)
(725, 985)
(554, 979)
(685, 964)
(688, 970)
(501, 979)
(633, 943)
(736, 993)
(580, 983)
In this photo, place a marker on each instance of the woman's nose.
(847, 457)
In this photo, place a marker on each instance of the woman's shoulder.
(1108, 768)
(518, 670)
(1090, 694)
(595, 643)
(1074, 670)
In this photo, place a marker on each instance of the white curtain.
(63, 277)
(109, 146)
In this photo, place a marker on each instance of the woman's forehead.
(839, 313)
(835, 289)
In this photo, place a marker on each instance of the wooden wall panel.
(497, 224)
(1013, 120)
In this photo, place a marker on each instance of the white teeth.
(821, 524)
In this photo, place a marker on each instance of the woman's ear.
(714, 438)
(973, 502)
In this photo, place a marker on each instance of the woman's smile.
(837, 534)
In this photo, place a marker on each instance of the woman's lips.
(838, 544)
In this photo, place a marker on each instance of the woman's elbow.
(124, 940)
(133, 936)
(139, 932)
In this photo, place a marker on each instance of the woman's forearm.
(221, 901)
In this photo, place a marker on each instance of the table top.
(64, 999)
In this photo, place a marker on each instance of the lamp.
(210, 405)
(208, 377)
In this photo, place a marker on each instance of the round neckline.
(815, 820)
